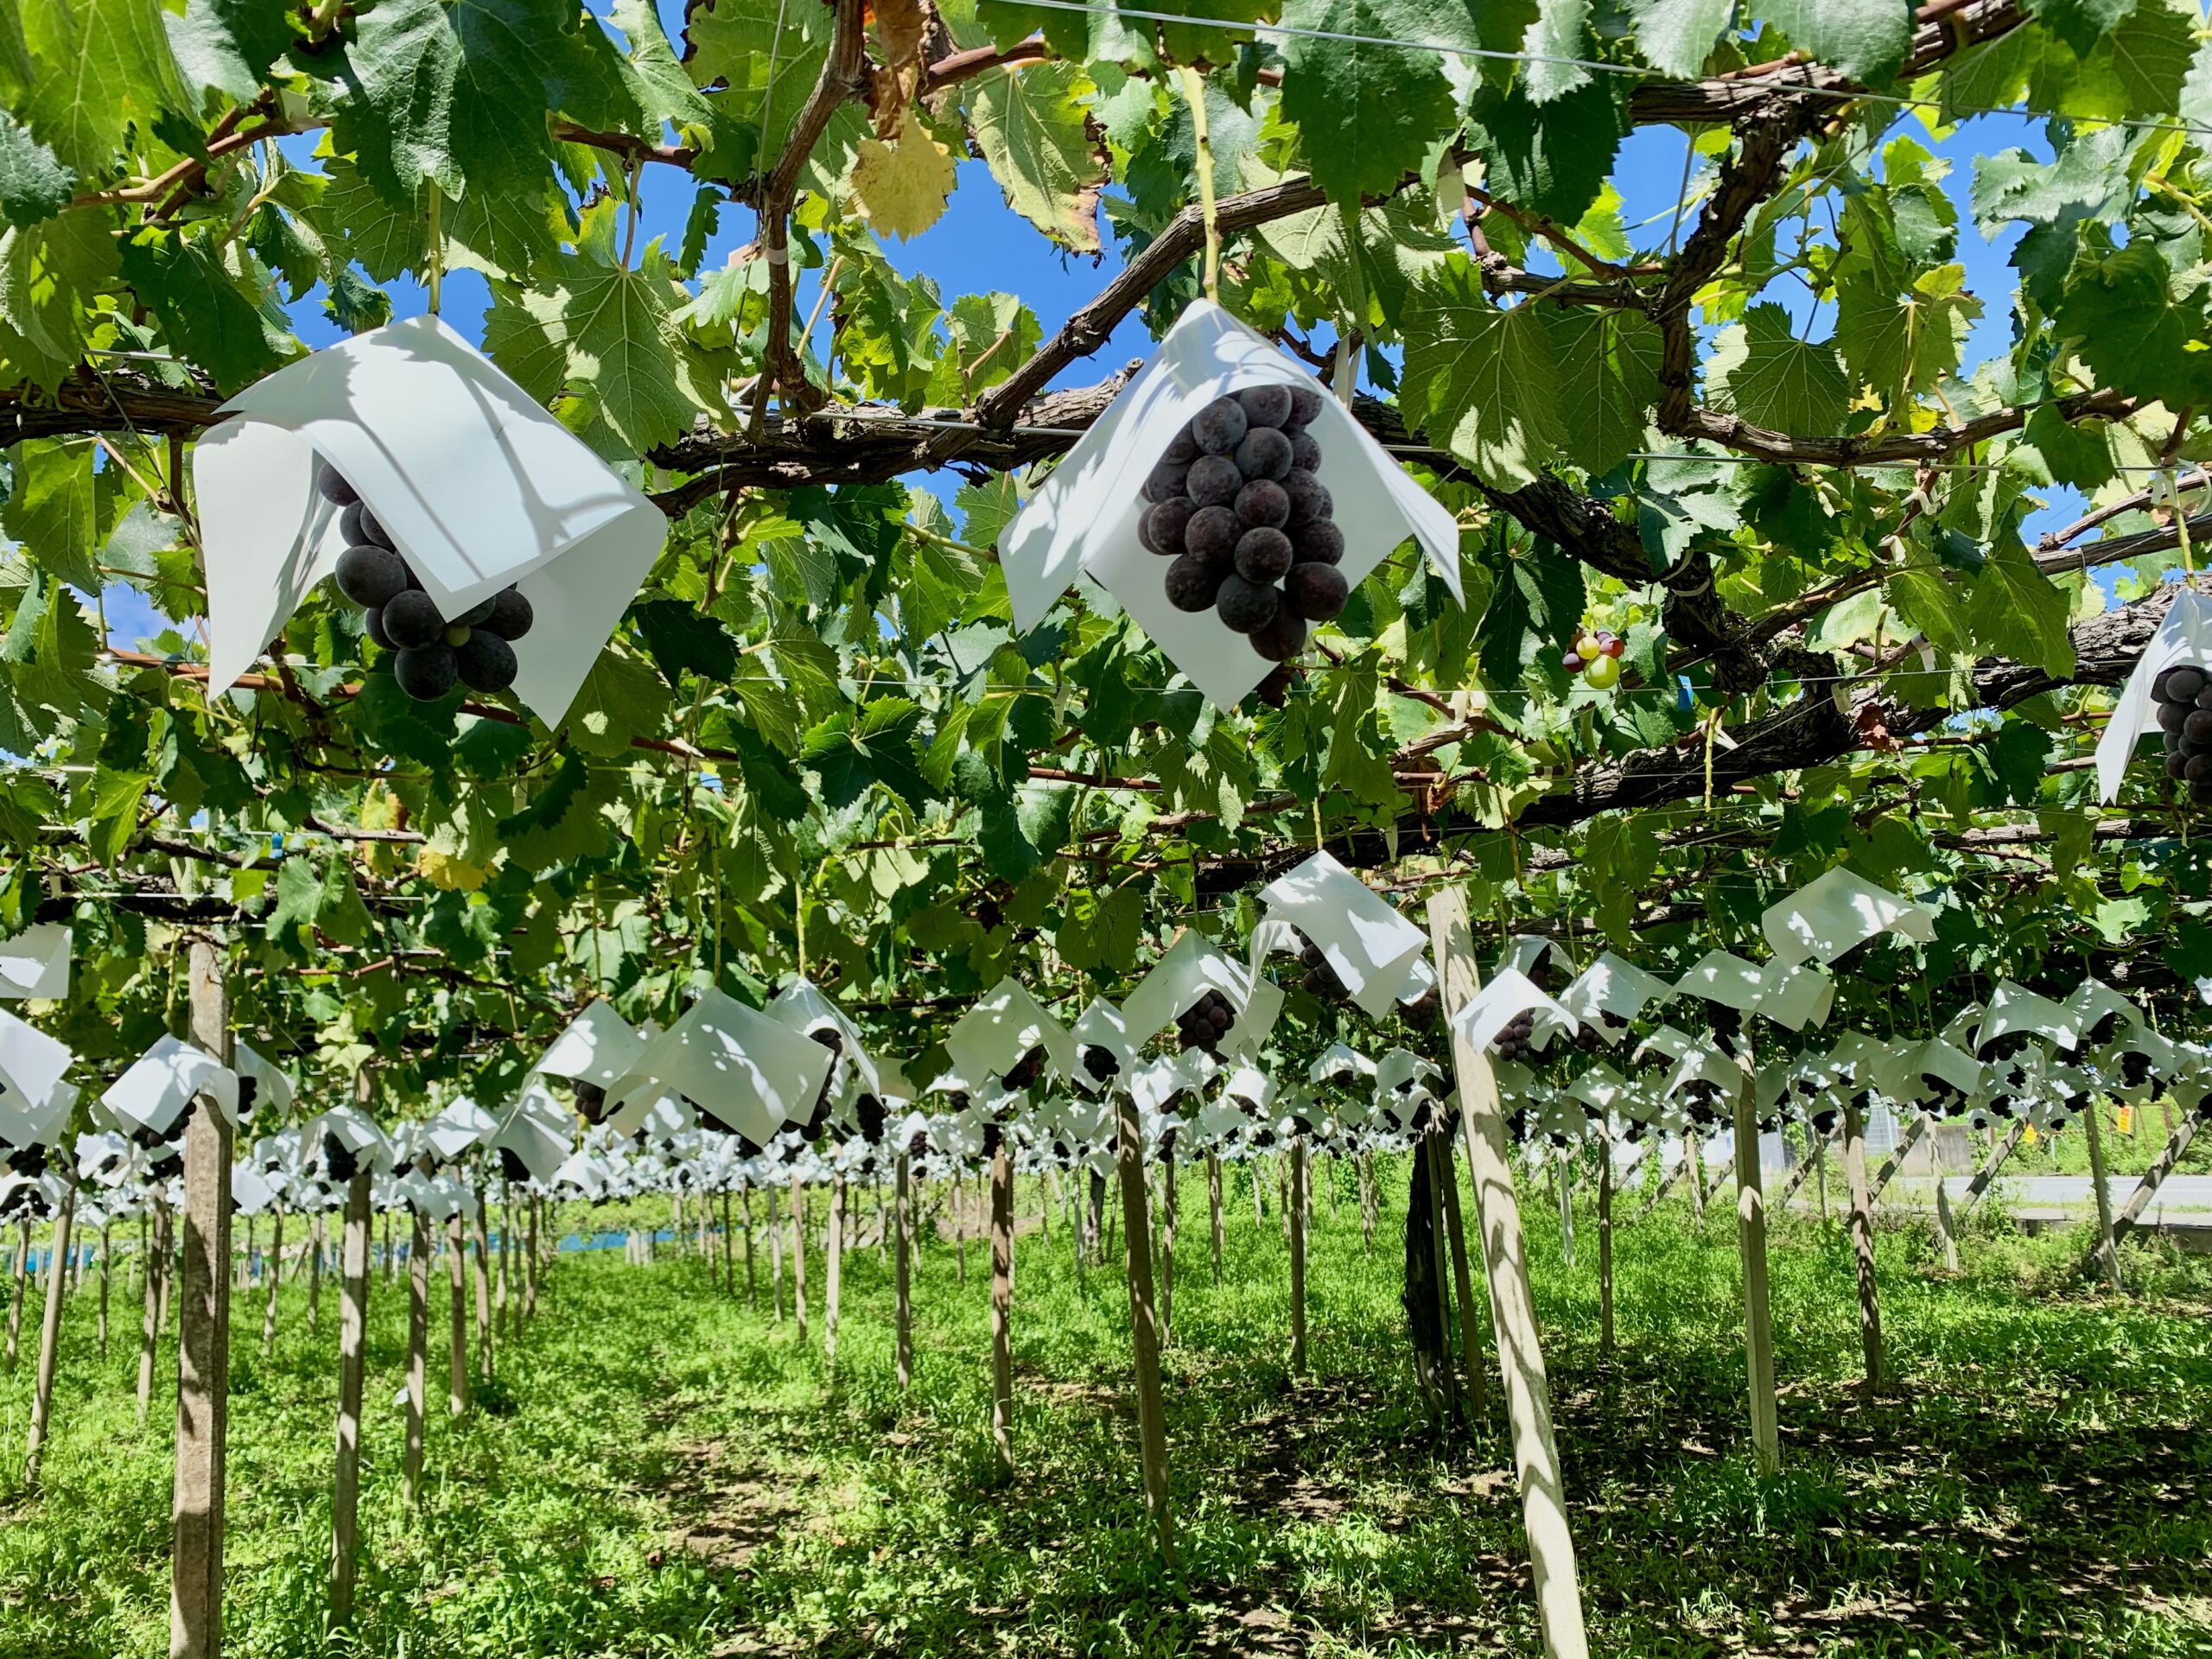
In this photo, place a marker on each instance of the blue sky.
(982, 246)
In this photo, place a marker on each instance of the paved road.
(2060, 1191)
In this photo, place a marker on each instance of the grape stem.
(1194, 94)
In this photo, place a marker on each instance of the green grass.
(661, 1471)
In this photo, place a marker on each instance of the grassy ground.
(661, 1471)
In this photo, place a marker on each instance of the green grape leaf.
(1366, 112)
(2140, 326)
(97, 66)
(1480, 379)
(565, 820)
(680, 639)
(1676, 36)
(204, 310)
(1553, 158)
(2016, 611)
(1036, 138)
(620, 699)
(1761, 371)
(1865, 40)
(33, 184)
(1608, 363)
(51, 509)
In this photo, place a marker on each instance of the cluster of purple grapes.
(2184, 700)
(1518, 1040)
(1238, 506)
(1321, 978)
(1206, 1021)
(476, 648)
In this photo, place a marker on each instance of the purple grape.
(1317, 543)
(1191, 584)
(1161, 529)
(332, 484)
(1246, 606)
(2197, 769)
(1262, 502)
(359, 527)
(484, 662)
(371, 577)
(1211, 535)
(1182, 448)
(1266, 405)
(1317, 592)
(1282, 636)
(1265, 453)
(2201, 794)
(512, 614)
(425, 674)
(1304, 452)
(2197, 727)
(1305, 404)
(1220, 426)
(1262, 555)
(412, 621)
(1165, 482)
(1213, 481)
(2180, 684)
(2173, 715)
(1308, 497)
(374, 626)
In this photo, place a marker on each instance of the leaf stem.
(1194, 94)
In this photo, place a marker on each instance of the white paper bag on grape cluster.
(742, 1068)
(153, 1094)
(1512, 1016)
(35, 963)
(2170, 690)
(1004, 1028)
(1837, 912)
(1104, 1049)
(31, 1068)
(1214, 1002)
(1354, 934)
(1085, 518)
(474, 485)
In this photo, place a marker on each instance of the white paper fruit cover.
(739, 1066)
(599, 1046)
(1614, 988)
(2186, 636)
(31, 1062)
(1368, 945)
(990, 1039)
(35, 963)
(1837, 912)
(1082, 520)
(1490, 1010)
(1192, 967)
(479, 485)
(162, 1082)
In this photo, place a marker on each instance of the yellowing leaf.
(446, 873)
(902, 187)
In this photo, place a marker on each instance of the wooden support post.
(318, 1241)
(1152, 1423)
(1475, 1376)
(1987, 1173)
(1814, 1159)
(1297, 1214)
(1001, 1300)
(1213, 1209)
(106, 1255)
(1895, 1161)
(1862, 1241)
(1750, 1240)
(1513, 1314)
(19, 1289)
(1167, 1218)
(203, 1338)
(352, 1346)
(457, 1343)
(1605, 1245)
(1566, 1216)
(776, 1257)
(1944, 1238)
(1431, 1148)
(418, 1344)
(391, 1255)
(833, 1270)
(752, 1283)
(903, 1333)
(49, 1336)
(480, 1235)
(274, 1274)
(2107, 1252)
(799, 1256)
(1694, 1148)
(156, 1299)
(1367, 1201)
(530, 1260)
(2154, 1178)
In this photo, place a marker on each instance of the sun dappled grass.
(661, 1470)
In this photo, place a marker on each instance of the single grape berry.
(1317, 592)
(1305, 452)
(1213, 481)
(358, 526)
(1266, 405)
(477, 613)
(1191, 584)
(1308, 497)
(1305, 404)
(2201, 794)
(1211, 535)
(457, 634)
(2198, 727)
(1166, 482)
(374, 621)
(412, 621)
(1265, 453)
(1245, 606)
(371, 577)
(1262, 555)
(426, 673)
(1182, 448)
(1317, 543)
(2183, 684)
(485, 662)
(2173, 715)
(1220, 426)
(1161, 529)
(1283, 637)
(333, 487)
(1262, 502)
(512, 614)
(2198, 768)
